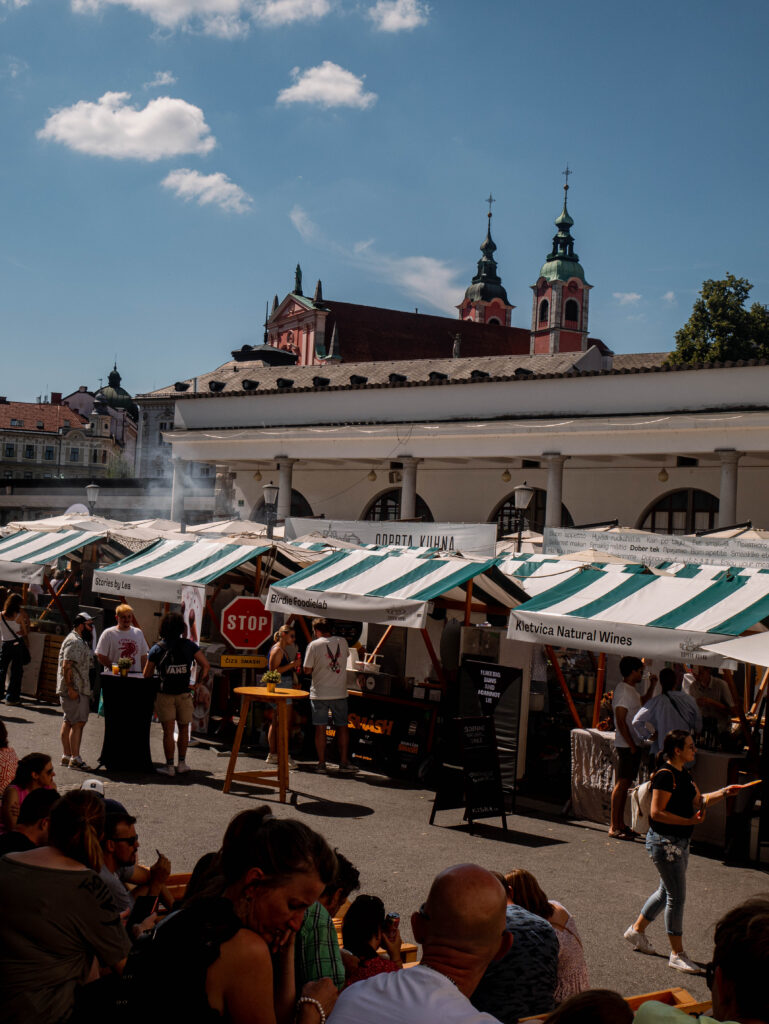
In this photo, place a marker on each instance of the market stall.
(411, 604)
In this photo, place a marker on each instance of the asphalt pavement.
(383, 827)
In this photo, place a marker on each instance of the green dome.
(562, 270)
(115, 396)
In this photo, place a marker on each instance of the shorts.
(628, 763)
(174, 707)
(321, 708)
(77, 710)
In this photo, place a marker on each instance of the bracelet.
(318, 1006)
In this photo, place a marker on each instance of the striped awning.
(25, 555)
(390, 588)
(159, 572)
(668, 617)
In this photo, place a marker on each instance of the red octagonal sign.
(246, 623)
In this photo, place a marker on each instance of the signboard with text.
(245, 623)
(476, 540)
(648, 548)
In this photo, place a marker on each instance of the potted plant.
(271, 679)
(124, 665)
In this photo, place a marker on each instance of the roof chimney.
(56, 398)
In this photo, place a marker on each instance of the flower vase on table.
(271, 680)
(124, 666)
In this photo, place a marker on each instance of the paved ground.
(383, 828)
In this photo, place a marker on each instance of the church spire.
(487, 288)
(562, 262)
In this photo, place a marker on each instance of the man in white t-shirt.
(326, 661)
(713, 697)
(123, 641)
(461, 928)
(625, 704)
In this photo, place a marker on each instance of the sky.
(166, 163)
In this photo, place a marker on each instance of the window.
(533, 519)
(74, 455)
(40, 425)
(27, 476)
(685, 511)
(10, 451)
(94, 456)
(388, 506)
(571, 312)
(29, 451)
(8, 474)
(495, 320)
(17, 423)
(104, 456)
(544, 311)
(49, 453)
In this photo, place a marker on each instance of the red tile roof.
(30, 414)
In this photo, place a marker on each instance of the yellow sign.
(244, 661)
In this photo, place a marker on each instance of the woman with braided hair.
(57, 916)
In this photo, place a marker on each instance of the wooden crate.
(46, 686)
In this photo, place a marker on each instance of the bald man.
(461, 928)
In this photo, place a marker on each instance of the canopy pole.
(564, 687)
(303, 624)
(737, 703)
(55, 600)
(433, 657)
(383, 637)
(599, 685)
(468, 602)
(760, 693)
(258, 577)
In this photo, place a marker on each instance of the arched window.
(300, 507)
(388, 506)
(506, 516)
(684, 511)
(571, 311)
(544, 311)
(495, 320)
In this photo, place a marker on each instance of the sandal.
(631, 834)
(620, 835)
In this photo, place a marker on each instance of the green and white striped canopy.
(389, 587)
(24, 555)
(159, 572)
(638, 613)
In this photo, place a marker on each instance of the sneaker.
(292, 763)
(681, 962)
(79, 763)
(271, 759)
(193, 741)
(639, 941)
(166, 769)
(65, 759)
(182, 768)
(347, 769)
(13, 702)
(320, 768)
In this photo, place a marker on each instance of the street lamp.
(270, 492)
(92, 495)
(522, 495)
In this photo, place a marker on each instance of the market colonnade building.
(673, 449)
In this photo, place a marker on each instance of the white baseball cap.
(94, 785)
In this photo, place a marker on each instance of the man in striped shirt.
(317, 953)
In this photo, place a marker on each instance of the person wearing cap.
(73, 685)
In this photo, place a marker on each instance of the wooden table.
(274, 778)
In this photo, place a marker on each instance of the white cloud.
(208, 188)
(398, 15)
(165, 127)
(327, 85)
(12, 67)
(227, 19)
(303, 224)
(627, 298)
(670, 298)
(286, 12)
(161, 79)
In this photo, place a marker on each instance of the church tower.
(485, 300)
(561, 294)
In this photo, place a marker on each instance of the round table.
(274, 778)
(128, 705)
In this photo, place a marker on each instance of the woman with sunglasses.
(34, 771)
(284, 658)
(677, 806)
(233, 941)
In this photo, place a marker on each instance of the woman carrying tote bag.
(14, 653)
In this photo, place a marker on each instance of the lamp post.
(522, 495)
(92, 495)
(270, 492)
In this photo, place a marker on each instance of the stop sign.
(246, 623)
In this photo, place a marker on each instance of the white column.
(554, 498)
(727, 498)
(285, 474)
(177, 490)
(409, 486)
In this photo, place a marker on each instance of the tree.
(721, 328)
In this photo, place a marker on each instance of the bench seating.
(678, 997)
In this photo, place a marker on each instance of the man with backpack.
(669, 710)
(172, 658)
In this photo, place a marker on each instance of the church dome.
(115, 396)
(487, 284)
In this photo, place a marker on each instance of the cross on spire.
(490, 200)
(566, 174)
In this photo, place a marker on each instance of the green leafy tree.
(721, 328)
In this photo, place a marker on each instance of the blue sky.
(166, 163)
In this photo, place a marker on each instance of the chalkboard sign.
(476, 784)
(497, 690)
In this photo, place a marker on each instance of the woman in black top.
(677, 806)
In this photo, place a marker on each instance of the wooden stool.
(274, 778)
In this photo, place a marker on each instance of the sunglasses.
(710, 974)
(128, 840)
